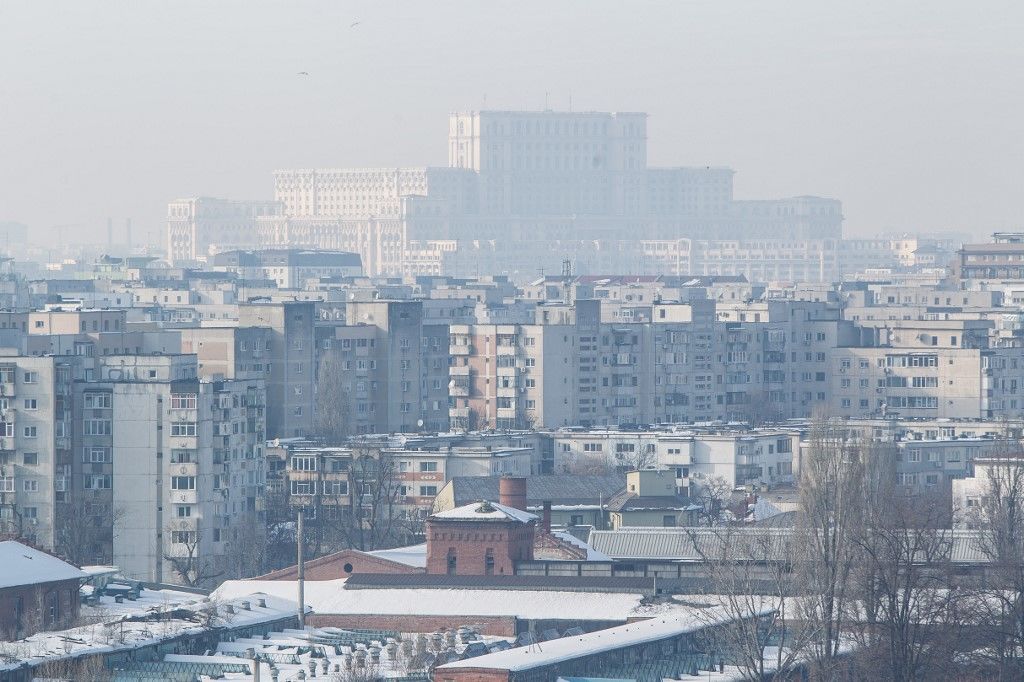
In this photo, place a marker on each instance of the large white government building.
(524, 191)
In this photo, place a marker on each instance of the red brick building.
(37, 591)
(483, 538)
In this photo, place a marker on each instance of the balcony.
(183, 469)
(183, 496)
(460, 350)
(459, 390)
(459, 371)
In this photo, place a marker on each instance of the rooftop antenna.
(566, 268)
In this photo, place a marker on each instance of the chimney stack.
(546, 518)
(512, 492)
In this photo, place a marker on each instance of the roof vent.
(485, 508)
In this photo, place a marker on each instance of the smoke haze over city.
(908, 112)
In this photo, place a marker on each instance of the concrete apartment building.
(392, 367)
(331, 481)
(35, 447)
(675, 362)
(291, 363)
(229, 352)
(740, 457)
(186, 465)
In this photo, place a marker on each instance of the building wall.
(26, 609)
(496, 626)
(471, 542)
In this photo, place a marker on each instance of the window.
(304, 463)
(6, 484)
(183, 537)
(183, 482)
(7, 429)
(428, 466)
(335, 488)
(668, 521)
(302, 487)
(31, 458)
(97, 427)
(30, 432)
(96, 482)
(183, 456)
(97, 401)
(30, 377)
(96, 455)
(30, 485)
(428, 490)
(183, 428)
(31, 404)
(183, 511)
(183, 401)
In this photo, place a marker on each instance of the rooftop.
(23, 565)
(485, 511)
(568, 648)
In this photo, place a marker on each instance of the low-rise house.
(650, 499)
(38, 591)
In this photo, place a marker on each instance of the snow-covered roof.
(121, 631)
(569, 648)
(413, 555)
(592, 554)
(330, 597)
(23, 565)
(486, 511)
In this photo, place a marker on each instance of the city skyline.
(761, 101)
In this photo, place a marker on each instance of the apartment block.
(290, 363)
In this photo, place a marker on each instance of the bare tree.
(713, 496)
(376, 518)
(83, 536)
(831, 501)
(999, 601)
(192, 569)
(750, 572)
(911, 613)
(246, 551)
(332, 419)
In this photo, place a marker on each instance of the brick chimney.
(512, 492)
(545, 526)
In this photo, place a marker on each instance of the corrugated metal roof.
(503, 582)
(555, 488)
(742, 543)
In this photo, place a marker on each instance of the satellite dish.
(419, 423)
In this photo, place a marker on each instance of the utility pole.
(300, 541)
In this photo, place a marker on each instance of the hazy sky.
(911, 112)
